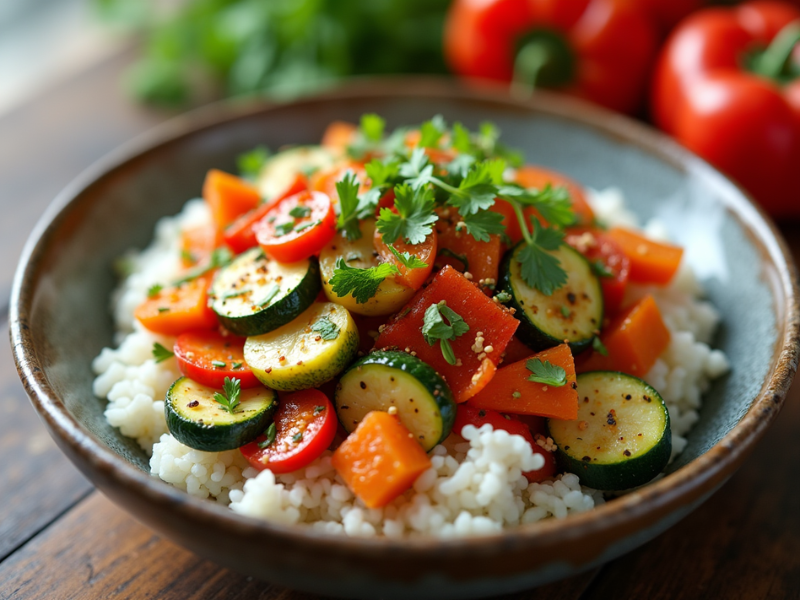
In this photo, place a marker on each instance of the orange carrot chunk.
(380, 460)
(634, 341)
(174, 310)
(465, 253)
(510, 391)
(197, 244)
(339, 135)
(228, 197)
(651, 262)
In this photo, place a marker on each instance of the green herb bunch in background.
(195, 50)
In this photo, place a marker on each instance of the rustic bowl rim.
(700, 476)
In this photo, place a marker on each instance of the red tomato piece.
(469, 415)
(305, 425)
(208, 357)
(425, 251)
(297, 227)
(596, 245)
(240, 235)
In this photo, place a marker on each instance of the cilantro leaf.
(362, 283)
(327, 329)
(546, 373)
(483, 224)
(540, 269)
(554, 204)
(431, 132)
(435, 328)
(368, 202)
(417, 171)
(284, 228)
(477, 190)
(380, 172)
(250, 163)
(599, 347)
(160, 353)
(300, 211)
(347, 189)
(461, 139)
(154, 290)
(459, 167)
(229, 399)
(599, 268)
(414, 218)
(372, 127)
(408, 260)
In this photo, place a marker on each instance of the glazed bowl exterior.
(60, 320)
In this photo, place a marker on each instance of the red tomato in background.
(313, 225)
(305, 425)
(595, 245)
(208, 357)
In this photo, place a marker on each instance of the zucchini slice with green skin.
(621, 438)
(279, 172)
(306, 352)
(572, 314)
(386, 379)
(254, 294)
(196, 420)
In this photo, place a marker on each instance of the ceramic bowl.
(60, 320)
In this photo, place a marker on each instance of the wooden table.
(59, 538)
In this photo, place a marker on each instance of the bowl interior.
(69, 314)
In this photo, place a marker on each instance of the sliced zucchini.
(307, 352)
(360, 254)
(195, 419)
(621, 438)
(254, 294)
(385, 379)
(280, 171)
(572, 314)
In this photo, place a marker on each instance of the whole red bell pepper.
(727, 86)
(599, 50)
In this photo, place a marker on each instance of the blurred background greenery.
(197, 50)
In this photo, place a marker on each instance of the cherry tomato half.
(297, 227)
(208, 357)
(469, 415)
(596, 246)
(305, 425)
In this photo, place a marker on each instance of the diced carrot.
(495, 323)
(480, 379)
(425, 251)
(197, 244)
(338, 135)
(651, 262)
(537, 177)
(240, 236)
(511, 392)
(380, 460)
(228, 197)
(174, 310)
(481, 259)
(634, 340)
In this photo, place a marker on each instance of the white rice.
(474, 487)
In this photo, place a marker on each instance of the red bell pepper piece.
(602, 250)
(494, 321)
(462, 251)
(733, 104)
(600, 50)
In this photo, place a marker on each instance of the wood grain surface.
(59, 539)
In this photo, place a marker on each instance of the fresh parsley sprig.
(546, 373)
(160, 353)
(347, 189)
(361, 283)
(408, 260)
(229, 399)
(435, 328)
(414, 218)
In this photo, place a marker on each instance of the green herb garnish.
(327, 329)
(229, 399)
(408, 260)
(220, 257)
(300, 212)
(154, 290)
(318, 409)
(160, 353)
(250, 163)
(546, 373)
(435, 328)
(284, 228)
(297, 437)
(270, 295)
(218, 364)
(599, 268)
(362, 283)
(414, 218)
(599, 347)
(347, 189)
(271, 432)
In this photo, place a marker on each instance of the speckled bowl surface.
(60, 320)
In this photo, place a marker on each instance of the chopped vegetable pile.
(403, 285)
